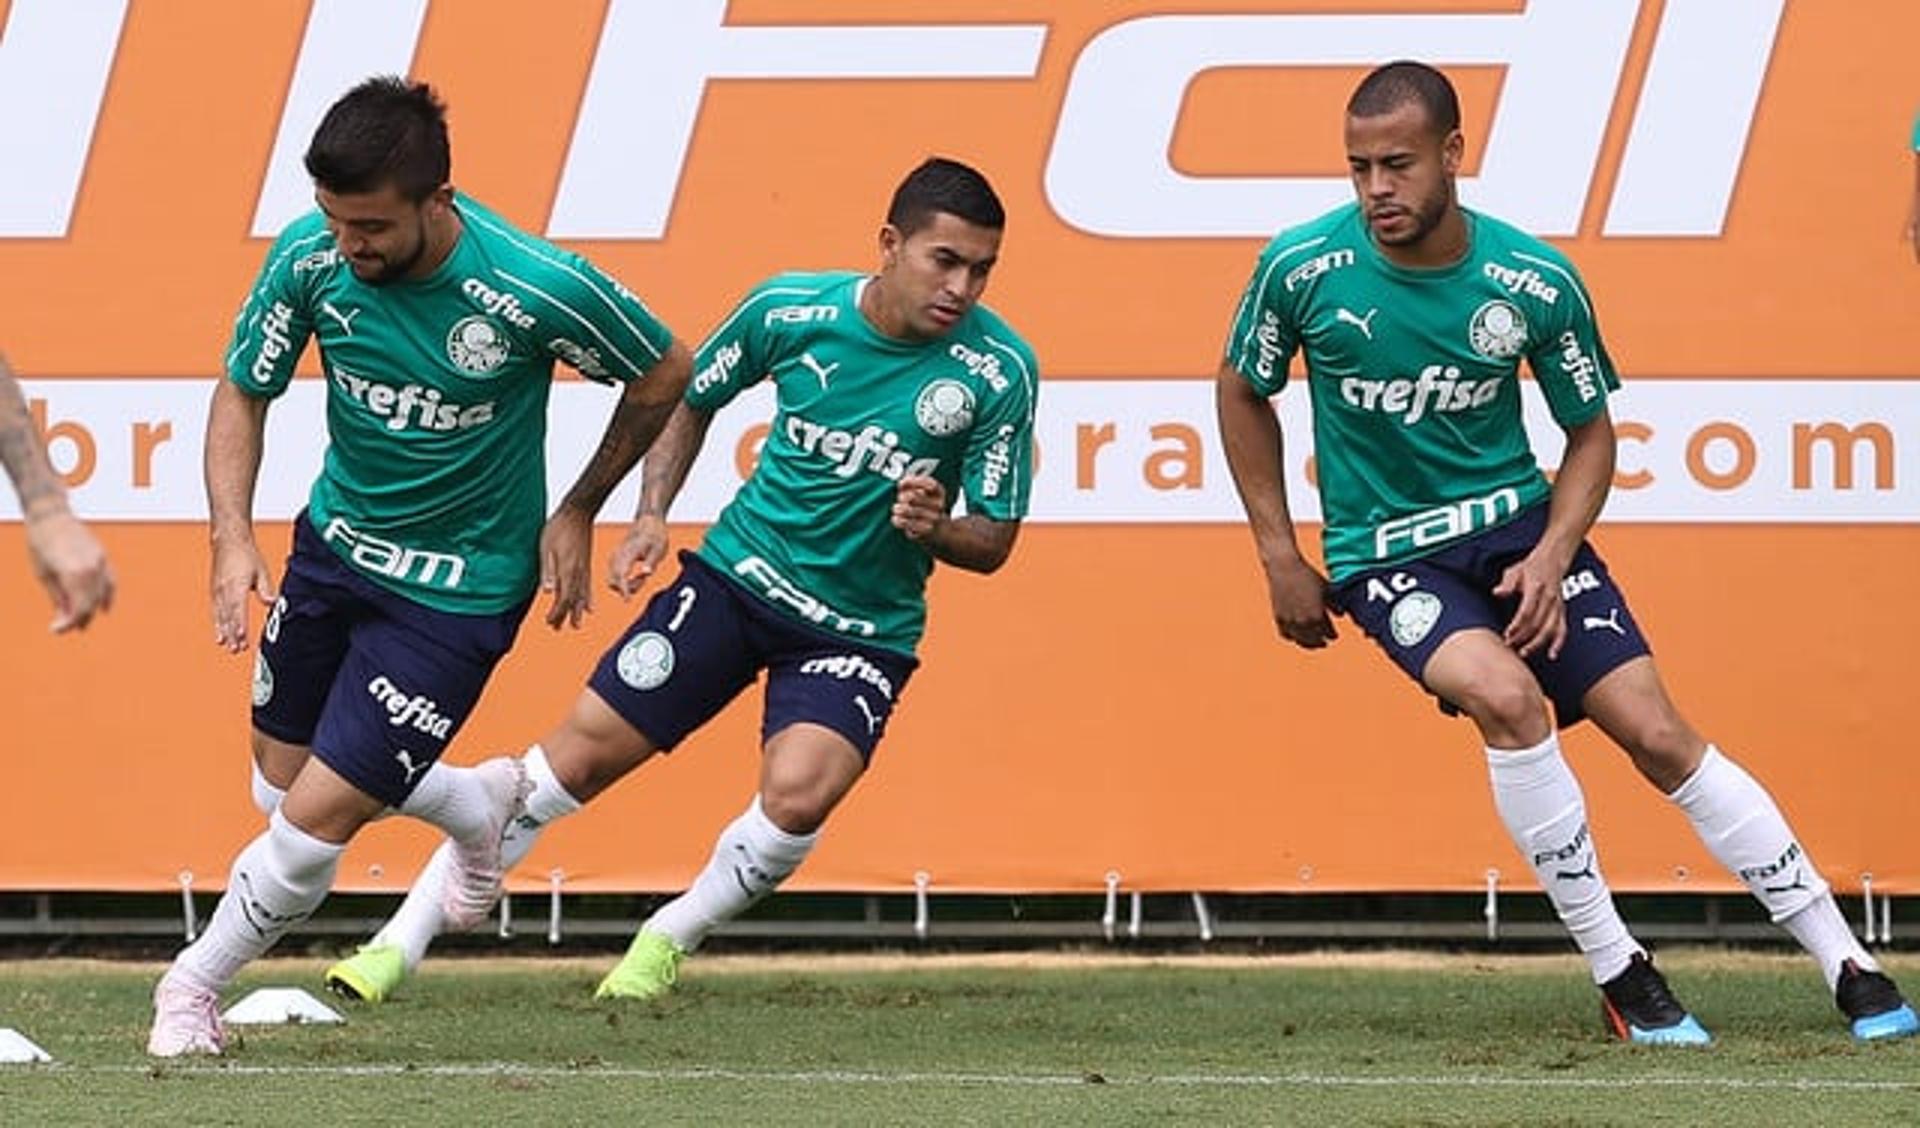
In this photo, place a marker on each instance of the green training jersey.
(1414, 376)
(811, 530)
(434, 479)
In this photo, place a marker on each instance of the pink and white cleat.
(186, 1020)
(475, 873)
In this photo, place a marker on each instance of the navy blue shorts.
(375, 683)
(704, 638)
(1411, 608)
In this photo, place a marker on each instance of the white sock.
(274, 884)
(1824, 933)
(1744, 830)
(418, 920)
(265, 795)
(751, 857)
(452, 799)
(1539, 799)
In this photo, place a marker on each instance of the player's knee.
(1502, 703)
(1663, 747)
(796, 806)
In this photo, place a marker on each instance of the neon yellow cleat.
(647, 971)
(370, 974)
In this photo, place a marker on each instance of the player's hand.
(72, 567)
(1540, 622)
(1298, 593)
(919, 506)
(238, 571)
(566, 565)
(639, 553)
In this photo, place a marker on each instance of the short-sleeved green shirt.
(811, 529)
(434, 480)
(1414, 376)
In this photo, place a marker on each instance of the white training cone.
(17, 1049)
(276, 1005)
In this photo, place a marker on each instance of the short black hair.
(384, 131)
(1391, 86)
(942, 185)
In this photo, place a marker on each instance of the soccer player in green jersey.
(426, 533)
(1447, 545)
(896, 394)
(66, 557)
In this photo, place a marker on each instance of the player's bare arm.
(1579, 492)
(661, 476)
(1913, 209)
(566, 543)
(66, 558)
(236, 432)
(1253, 442)
(976, 543)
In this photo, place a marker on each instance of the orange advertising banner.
(1731, 179)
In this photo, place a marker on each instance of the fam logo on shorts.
(944, 407)
(1413, 617)
(476, 346)
(262, 679)
(646, 661)
(1497, 330)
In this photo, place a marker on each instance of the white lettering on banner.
(1827, 451)
(653, 66)
(346, 40)
(1111, 170)
(55, 56)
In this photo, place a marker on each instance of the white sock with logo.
(277, 880)
(265, 795)
(751, 858)
(1744, 830)
(1539, 800)
(418, 920)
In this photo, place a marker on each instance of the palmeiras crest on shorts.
(476, 346)
(1498, 330)
(944, 407)
(262, 681)
(646, 661)
(1413, 617)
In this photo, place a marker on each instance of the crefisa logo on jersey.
(476, 346)
(646, 661)
(1497, 330)
(944, 407)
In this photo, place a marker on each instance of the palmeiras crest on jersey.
(944, 407)
(1498, 330)
(646, 661)
(476, 346)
